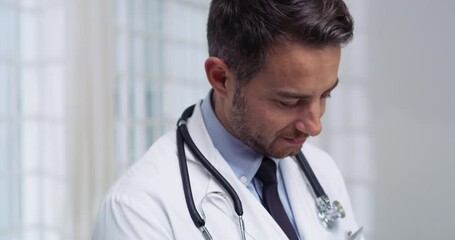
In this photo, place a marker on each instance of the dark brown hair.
(241, 32)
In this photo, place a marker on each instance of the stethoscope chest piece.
(329, 213)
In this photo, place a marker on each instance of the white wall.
(411, 84)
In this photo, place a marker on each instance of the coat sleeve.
(121, 217)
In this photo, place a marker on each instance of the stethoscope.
(327, 213)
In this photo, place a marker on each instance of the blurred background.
(87, 85)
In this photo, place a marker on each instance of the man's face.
(282, 105)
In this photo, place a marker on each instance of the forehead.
(296, 69)
(306, 58)
(299, 67)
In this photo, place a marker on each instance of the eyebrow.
(300, 95)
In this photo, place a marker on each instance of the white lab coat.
(147, 202)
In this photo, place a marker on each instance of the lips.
(295, 141)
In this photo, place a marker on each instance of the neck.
(219, 107)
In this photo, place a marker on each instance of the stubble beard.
(243, 126)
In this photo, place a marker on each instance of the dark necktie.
(271, 199)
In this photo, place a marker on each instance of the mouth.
(295, 141)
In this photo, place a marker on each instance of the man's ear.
(219, 75)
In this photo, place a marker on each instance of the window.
(160, 52)
(32, 68)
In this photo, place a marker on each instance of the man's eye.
(287, 104)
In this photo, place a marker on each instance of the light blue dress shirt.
(243, 160)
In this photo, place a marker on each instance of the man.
(272, 66)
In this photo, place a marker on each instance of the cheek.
(278, 123)
(263, 120)
(268, 120)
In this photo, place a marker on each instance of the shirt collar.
(243, 160)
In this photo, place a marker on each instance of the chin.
(279, 150)
(283, 154)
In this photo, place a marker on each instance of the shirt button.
(243, 179)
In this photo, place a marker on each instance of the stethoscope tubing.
(197, 219)
(308, 171)
(183, 137)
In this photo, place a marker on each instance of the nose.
(309, 120)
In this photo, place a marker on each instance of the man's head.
(272, 65)
(241, 32)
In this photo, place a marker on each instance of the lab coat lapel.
(301, 198)
(258, 222)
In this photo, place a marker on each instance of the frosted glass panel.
(31, 201)
(196, 33)
(54, 203)
(122, 142)
(4, 89)
(9, 203)
(185, 23)
(54, 86)
(122, 98)
(31, 146)
(153, 61)
(53, 19)
(4, 148)
(33, 234)
(357, 102)
(122, 53)
(138, 15)
(31, 89)
(139, 94)
(176, 18)
(171, 101)
(121, 16)
(7, 26)
(52, 235)
(138, 57)
(154, 16)
(29, 31)
(29, 3)
(4, 202)
(141, 141)
(53, 149)
(155, 100)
